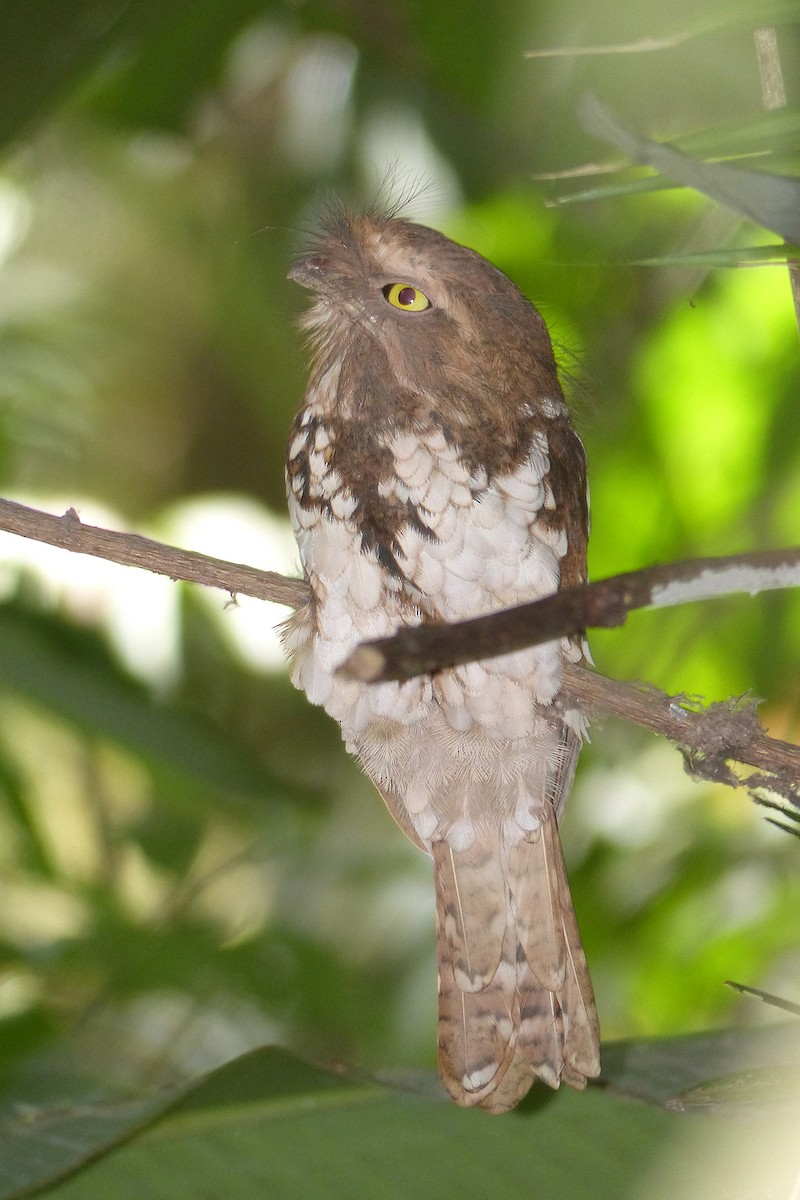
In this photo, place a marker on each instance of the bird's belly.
(501, 696)
(466, 739)
(445, 751)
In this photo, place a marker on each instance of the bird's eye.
(406, 297)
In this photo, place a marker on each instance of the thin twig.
(644, 45)
(767, 997)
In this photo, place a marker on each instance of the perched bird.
(433, 474)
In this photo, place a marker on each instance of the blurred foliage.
(190, 866)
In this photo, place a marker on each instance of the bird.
(433, 475)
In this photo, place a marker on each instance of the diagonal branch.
(133, 550)
(422, 649)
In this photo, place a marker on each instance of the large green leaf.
(158, 83)
(42, 1142)
(666, 1069)
(268, 1125)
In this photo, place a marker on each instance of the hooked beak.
(308, 271)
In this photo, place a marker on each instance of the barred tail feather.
(515, 999)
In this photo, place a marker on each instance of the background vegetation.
(190, 866)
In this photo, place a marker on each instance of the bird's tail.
(515, 998)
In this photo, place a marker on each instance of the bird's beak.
(307, 271)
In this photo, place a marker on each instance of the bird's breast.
(422, 538)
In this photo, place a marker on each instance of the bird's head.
(422, 315)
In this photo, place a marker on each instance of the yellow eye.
(406, 297)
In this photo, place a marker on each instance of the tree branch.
(714, 740)
(132, 550)
(423, 649)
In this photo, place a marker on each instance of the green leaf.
(268, 1125)
(742, 1088)
(660, 1070)
(174, 64)
(41, 1143)
(734, 256)
(612, 191)
(267, 1121)
(141, 61)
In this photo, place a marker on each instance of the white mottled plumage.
(423, 487)
(489, 554)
